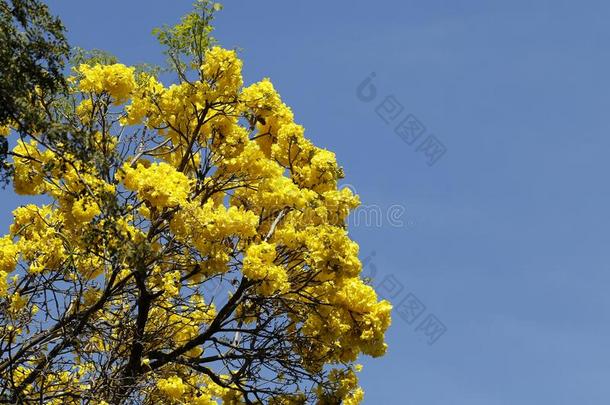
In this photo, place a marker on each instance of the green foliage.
(91, 57)
(187, 41)
(33, 50)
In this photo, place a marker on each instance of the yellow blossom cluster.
(195, 390)
(8, 254)
(353, 304)
(258, 265)
(173, 387)
(144, 97)
(223, 68)
(207, 224)
(346, 390)
(8, 261)
(116, 79)
(5, 130)
(38, 241)
(80, 192)
(85, 110)
(28, 165)
(160, 184)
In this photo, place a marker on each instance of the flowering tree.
(191, 248)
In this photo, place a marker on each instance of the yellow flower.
(28, 163)
(173, 387)
(143, 104)
(223, 68)
(161, 184)
(116, 79)
(258, 265)
(3, 284)
(85, 110)
(5, 130)
(8, 254)
(84, 209)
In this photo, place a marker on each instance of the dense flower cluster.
(117, 80)
(160, 184)
(258, 265)
(5, 130)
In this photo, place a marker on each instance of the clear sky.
(505, 238)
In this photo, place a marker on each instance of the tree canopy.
(192, 247)
(33, 51)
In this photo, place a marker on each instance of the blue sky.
(504, 239)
